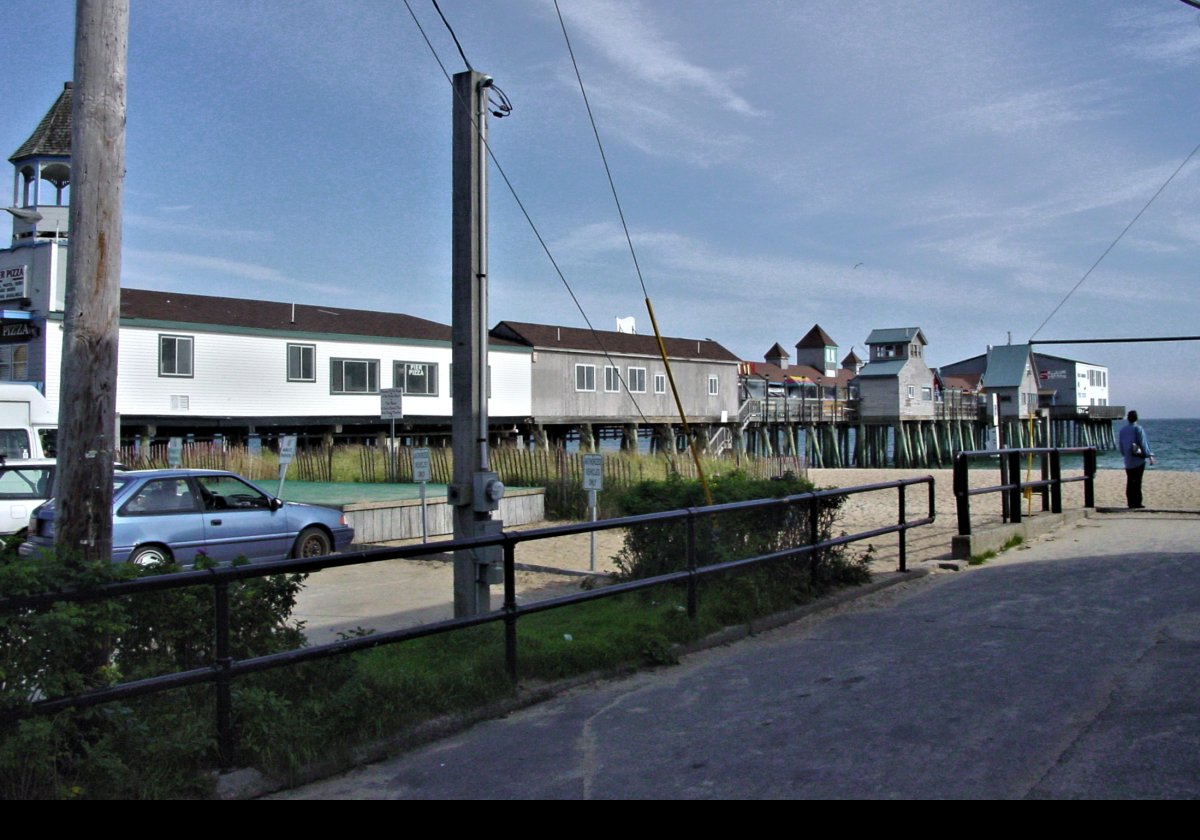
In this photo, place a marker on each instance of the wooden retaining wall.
(378, 522)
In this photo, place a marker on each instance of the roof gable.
(816, 337)
(52, 137)
(891, 367)
(1006, 366)
(896, 335)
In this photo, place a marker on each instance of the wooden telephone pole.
(87, 404)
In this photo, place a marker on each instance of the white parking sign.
(593, 472)
(420, 465)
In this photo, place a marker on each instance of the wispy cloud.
(150, 263)
(157, 224)
(1038, 110)
(1169, 35)
(625, 33)
(648, 92)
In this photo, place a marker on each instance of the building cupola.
(42, 180)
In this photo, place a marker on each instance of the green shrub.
(150, 747)
(661, 548)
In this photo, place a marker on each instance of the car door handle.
(215, 522)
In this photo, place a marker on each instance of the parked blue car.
(165, 515)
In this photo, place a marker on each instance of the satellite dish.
(30, 216)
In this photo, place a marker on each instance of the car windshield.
(25, 482)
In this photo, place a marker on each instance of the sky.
(957, 166)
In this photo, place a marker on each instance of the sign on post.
(593, 472)
(421, 473)
(593, 480)
(287, 451)
(421, 469)
(391, 408)
(391, 403)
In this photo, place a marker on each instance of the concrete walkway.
(1069, 668)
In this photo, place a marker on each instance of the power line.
(450, 29)
(1115, 241)
(528, 218)
(662, 348)
(603, 157)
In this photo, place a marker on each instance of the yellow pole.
(662, 349)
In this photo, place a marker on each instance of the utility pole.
(476, 491)
(87, 406)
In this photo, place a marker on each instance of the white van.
(28, 426)
(24, 485)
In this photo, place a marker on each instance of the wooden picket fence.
(558, 471)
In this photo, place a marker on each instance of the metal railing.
(1011, 486)
(798, 410)
(225, 668)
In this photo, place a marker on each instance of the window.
(301, 363)
(417, 378)
(174, 355)
(585, 377)
(354, 376)
(714, 385)
(637, 380)
(926, 393)
(14, 362)
(26, 482)
(14, 443)
(226, 492)
(161, 496)
(660, 383)
(612, 379)
(912, 391)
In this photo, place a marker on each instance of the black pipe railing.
(1011, 487)
(225, 668)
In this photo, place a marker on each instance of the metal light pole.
(476, 491)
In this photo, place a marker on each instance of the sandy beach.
(1164, 490)
(404, 592)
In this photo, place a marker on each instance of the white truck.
(28, 425)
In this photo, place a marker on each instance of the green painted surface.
(337, 494)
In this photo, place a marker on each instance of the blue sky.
(972, 159)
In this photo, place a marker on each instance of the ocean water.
(1175, 444)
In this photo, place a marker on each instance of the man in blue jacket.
(1135, 448)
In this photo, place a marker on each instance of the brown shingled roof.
(571, 338)
(271, 315)
(816, 337)
(53, 134)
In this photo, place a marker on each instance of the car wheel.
(150, 555)
(312, 542)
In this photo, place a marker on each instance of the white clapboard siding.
(240, 375)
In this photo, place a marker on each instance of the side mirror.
(276, 504)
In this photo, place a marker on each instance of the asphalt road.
(1070, 668)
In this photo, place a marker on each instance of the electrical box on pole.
(475, 491)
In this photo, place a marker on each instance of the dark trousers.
(1133, 485)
